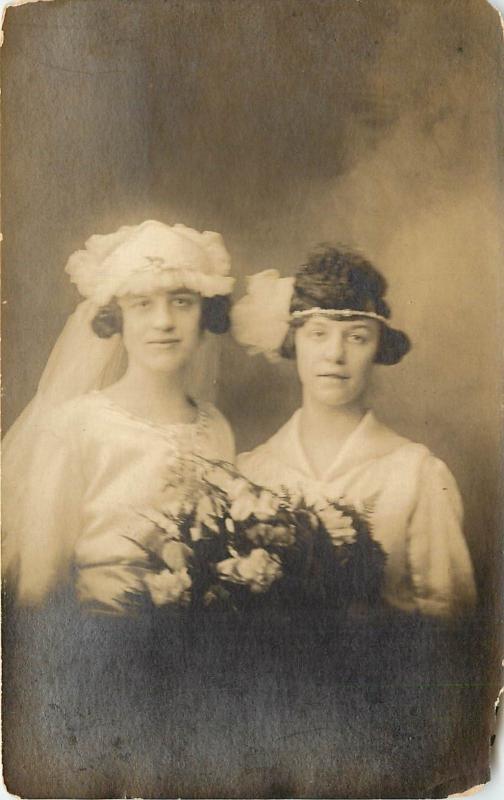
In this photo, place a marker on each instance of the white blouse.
(93, 472)
(417, 510)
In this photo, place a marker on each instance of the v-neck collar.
(368, 441)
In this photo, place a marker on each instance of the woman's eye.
(142, 302)
(358, 338)
(316, 333)
(184, 301)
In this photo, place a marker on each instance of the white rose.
(280, 535)
(243, 506)
(196, 533)
(258, 570)
(205, 513)
(111, 587)
(266, 506)
(314, 496)
(162, 521)
(339, 527)
(236, 487)
(176, 555)
(174, 501)
(168, 588)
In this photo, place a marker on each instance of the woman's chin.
(165, 362)
(337, 398)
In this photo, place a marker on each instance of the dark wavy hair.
(214, 317)
(335, 278)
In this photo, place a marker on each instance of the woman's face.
(335, 358)
(161, 330)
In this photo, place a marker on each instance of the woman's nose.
(336, 348)
(163, 315)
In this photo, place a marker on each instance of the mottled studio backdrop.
(281, 124)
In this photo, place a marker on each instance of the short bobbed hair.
(338, 279)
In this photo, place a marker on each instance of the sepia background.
(280, 125)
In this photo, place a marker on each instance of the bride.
(97, 443)
(92, 461)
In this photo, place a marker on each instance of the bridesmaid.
(334, 321)
(386, 689)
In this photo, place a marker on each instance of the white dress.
(417, 510)
(93, 472)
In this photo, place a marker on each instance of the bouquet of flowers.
(215, 540)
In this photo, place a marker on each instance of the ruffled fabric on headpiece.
(143, 258)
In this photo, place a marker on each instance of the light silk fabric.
(417, 510)
(93, 472)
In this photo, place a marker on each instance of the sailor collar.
(370, 440)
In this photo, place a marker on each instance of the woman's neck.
(325, 429)
(156, 396)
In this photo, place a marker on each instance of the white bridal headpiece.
(134, 259)
(142, 258)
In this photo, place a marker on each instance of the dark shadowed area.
(281, 125)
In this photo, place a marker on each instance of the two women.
(155, 292)
(99, 440)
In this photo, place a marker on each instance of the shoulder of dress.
(411, 458)
(212, 414)
(389, 442)
(251, 457)
(217, 430)
(263, 463)
(72, 414)
(436, 469)
(417, 459)
(273, 449)
(69, 410)
(410, 450)
(255, 465)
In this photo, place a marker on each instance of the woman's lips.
(334, 376)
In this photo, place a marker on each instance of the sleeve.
(251, 465)
(42, 501)
(441, 567)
